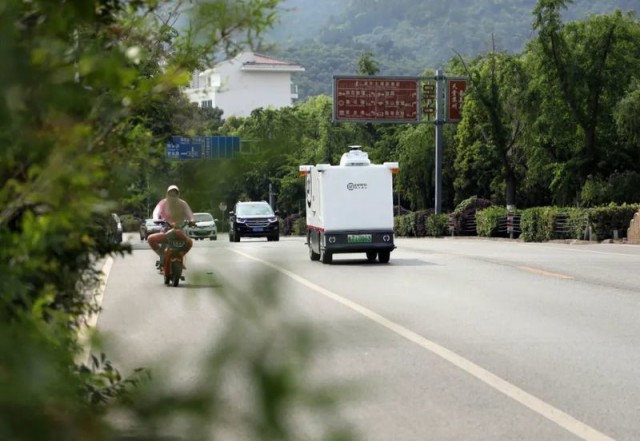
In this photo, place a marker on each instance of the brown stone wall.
(633, 233)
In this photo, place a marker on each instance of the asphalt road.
(453, 339)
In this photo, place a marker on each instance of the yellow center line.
(546, 273)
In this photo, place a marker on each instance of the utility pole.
(439, 122)
(271, 196)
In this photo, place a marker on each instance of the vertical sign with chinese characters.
(376, 99)
(456, 88)
(428, 100)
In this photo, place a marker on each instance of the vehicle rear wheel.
(176, 272)
(371, 256)
(312, 254)
(383, 256)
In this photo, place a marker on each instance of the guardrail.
(469, 225)
(503, 225)
(565, 228)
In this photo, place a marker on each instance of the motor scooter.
(172, 252)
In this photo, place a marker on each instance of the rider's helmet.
(173, 188)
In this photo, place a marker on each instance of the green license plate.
(359, 238)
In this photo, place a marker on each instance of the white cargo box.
(349, 207)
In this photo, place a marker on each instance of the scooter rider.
(174, 211)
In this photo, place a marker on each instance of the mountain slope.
(406, 37)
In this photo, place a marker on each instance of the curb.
(90, 322)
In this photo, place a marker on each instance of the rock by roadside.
(633, 233)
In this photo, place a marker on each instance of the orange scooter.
(172, 252)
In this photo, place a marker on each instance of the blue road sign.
(203, 147)
(173, 151)
(184, 151)
(224, 147)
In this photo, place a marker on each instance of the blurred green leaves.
(83, 110)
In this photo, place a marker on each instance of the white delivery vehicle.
(350, 207)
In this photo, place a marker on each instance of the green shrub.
(619, 187)
(464, 205)
(409, 225)
(466, 209)
(438, 225)
(537, 224)
(576, 223)
(396, 226)
(420, 222)
(488, 219)
(605, 219)
(404, 225)
(299, 226)
(471, 204)
(291, 225)
(130, 223)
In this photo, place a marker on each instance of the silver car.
(205, 227)
(149, 227)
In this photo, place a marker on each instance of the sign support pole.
(271, 197)
(439, 122)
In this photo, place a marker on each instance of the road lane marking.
(546, 273)
(535, 404)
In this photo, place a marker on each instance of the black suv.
(253, 219)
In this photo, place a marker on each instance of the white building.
(244, 83)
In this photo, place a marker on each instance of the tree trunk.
(510, 184)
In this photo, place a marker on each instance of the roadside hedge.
(421, 224)
(465, 210)
(605, 219)
(130, 223)
(537, 224)
(576, 223)
(488, 219)
(300, 226)
(438, 225)
(404, 225)
(294, 224)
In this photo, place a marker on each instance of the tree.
(584, 68)
(367, 64)
(492, 123)
(416, 154)
(80, 115)
(627, 116)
